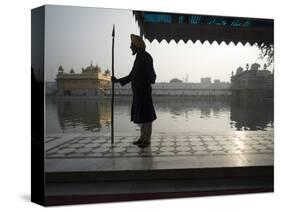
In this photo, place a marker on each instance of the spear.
(112, 93)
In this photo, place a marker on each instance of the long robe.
(141, 77)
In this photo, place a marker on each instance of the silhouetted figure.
(141, 77)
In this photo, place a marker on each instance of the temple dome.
(255, 66)
(239, 70)
(175, 80)
(91, 69)
(60, 68)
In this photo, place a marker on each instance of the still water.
(174, 115)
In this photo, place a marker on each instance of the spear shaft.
(112, 90)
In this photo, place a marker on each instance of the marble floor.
(88, 152)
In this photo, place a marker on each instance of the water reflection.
(174, 115)
(83, 115)
(254, 114)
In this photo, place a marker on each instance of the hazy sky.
(77, 35)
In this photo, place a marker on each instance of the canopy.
(185, 27)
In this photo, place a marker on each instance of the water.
(174, 115)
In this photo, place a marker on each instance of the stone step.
(160, 174)
(113, 191)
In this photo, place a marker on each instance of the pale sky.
(74, 36)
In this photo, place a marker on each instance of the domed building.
(175, 80)
(239, 70)
(90, 82)
(253, 82)
(255, 66)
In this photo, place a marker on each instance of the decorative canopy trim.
(189, 27)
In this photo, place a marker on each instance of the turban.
(137, 41)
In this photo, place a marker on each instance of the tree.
(267, 51)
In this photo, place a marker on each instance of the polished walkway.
(95, 153)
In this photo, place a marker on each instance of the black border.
(37, 105)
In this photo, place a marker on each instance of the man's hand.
(114, 79)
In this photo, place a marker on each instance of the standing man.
(141, 77)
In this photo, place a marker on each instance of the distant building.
(206, 80)
(90, 82)
(175, 80)
(255, 66)
(165, 89)
(217, 81)
(239, 70)
(253, 82)
(181, 89)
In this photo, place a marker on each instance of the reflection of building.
(181, 107)
(50, 88)
(253, 82)
(92, 115)
(91, 82)
(251, 114)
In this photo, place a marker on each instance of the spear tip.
(113, 31)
